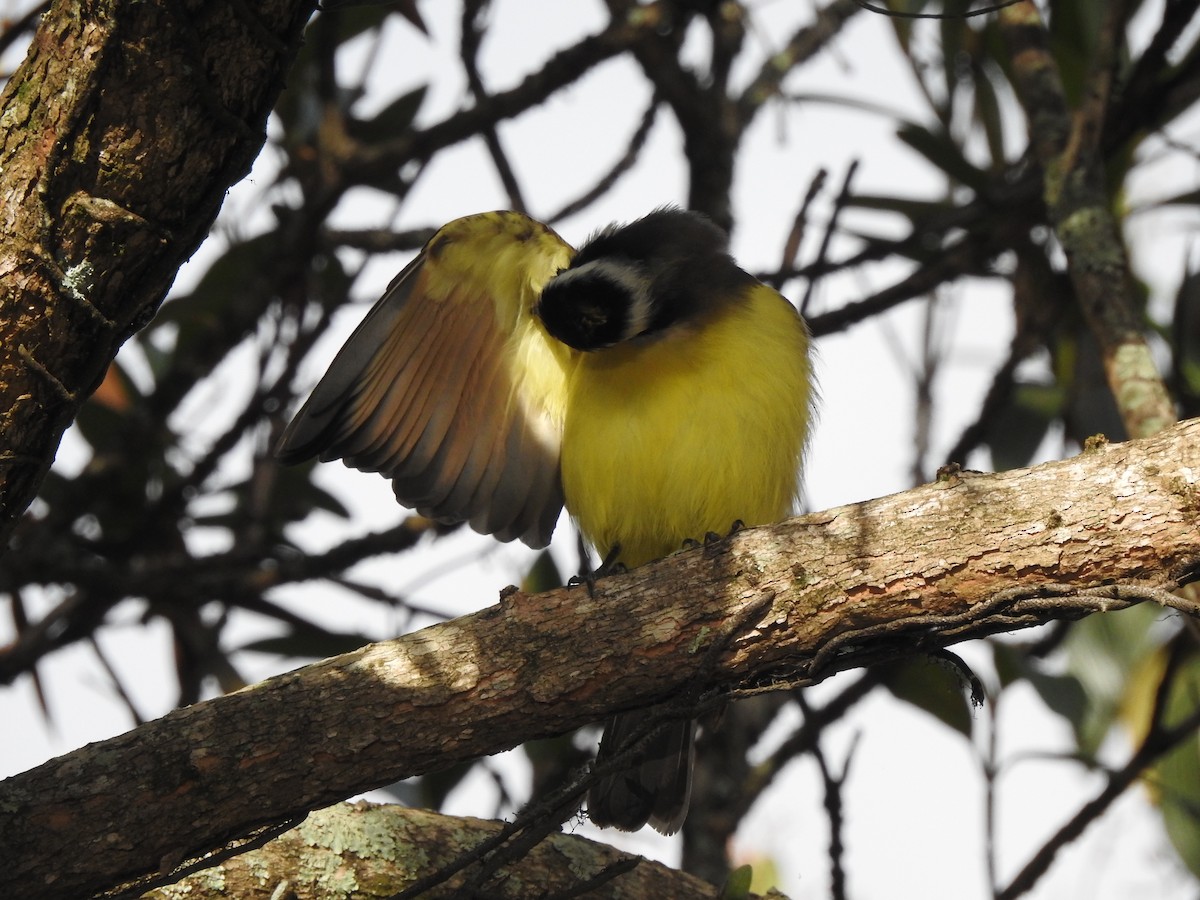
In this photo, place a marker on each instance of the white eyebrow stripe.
(625, 276)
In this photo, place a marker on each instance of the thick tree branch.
(1067, 145)
(123, 128)
(967, 556)
(379, 851)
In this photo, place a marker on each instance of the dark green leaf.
(437, 785)
(355, 18)
(843, 102)
(952, 27)
(1074, 30)
(1185, 198)
(989, 115)
(298, 109)
(329, 278)
(1091, 407)
(553, 760)
(918, 212)
(1185, 335)
(219, 291)
(358, 15)
(944, 152)
(390, 122)
(1104, 652)
(103, 419)
(737, 885)
(933, 687)
(543, 575)
(1177, 775)
(1062, 694)
(296, 495)
(903, 25)
(309, 644)
(1019, 426)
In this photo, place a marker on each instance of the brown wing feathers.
(423, 393)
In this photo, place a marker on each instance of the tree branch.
(967, 556)
(123, 128)
(379, 851)
(1067, 145)
(562, 69)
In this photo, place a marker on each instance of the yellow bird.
(645, 382)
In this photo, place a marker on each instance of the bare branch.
(839, 204)
(470, 41)
(804, 45)
(637, 142)
(562, 69)
(833, 785)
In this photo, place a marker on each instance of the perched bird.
(646, 382)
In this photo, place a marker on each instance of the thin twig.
(791, 247)
(564, 68)
(805, 44)
(538, 819)
(923, 381)
(998, 393)
(990, 772)
(968, 14)
(605, 182)
(833, 807)
(800, 741)
(471, 40)
(823, 252)
(20, 616)
(613, 870)
(236, 847)
(1003, 610)
(115, 679)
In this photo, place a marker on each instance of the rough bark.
(362, 851)
(1066, 144)
(966, 556)
(122, 130)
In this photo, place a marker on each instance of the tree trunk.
(122, 130)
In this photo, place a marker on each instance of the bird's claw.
(711, 537)
(609, 566)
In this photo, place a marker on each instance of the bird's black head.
(638, 279)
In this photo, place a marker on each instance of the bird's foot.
(711, 537)
(610, 565)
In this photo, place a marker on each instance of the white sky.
(914, 802)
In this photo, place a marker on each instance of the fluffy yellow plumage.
(672, 439)
(645, 379)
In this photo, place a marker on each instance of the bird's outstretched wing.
(451, 387)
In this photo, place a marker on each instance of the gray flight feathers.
(656, 785)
